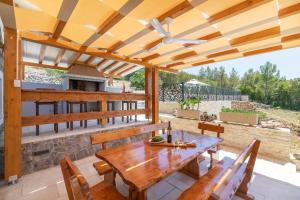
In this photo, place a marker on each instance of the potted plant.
(187, 108)
(239, 116)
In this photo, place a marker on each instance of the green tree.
(234, 79)
(137, 79)
(269, 76)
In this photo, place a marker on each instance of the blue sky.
(287, 61)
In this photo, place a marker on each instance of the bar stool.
(83, 108)
(37, 110)
(113, 107)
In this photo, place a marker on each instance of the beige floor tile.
(172, 195)
(11, 192)
(93, 180)
(44, 193)
(87, 170)
(181, 181)
(159, 190)
(61, 188)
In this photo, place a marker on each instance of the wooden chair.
(227, 178)
(213, 128)
(101, 138)
(78, 188)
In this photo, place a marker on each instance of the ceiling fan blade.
(188, 41)
(155, 47)
(158, 27)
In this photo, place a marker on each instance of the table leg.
(193, 168)
(134, 194)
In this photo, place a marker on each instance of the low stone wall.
(38, 155)
(243, 105)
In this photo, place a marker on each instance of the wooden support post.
(155, 97)
(12, 108)
(148, 91)
(103, 121)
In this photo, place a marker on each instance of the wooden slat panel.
(206, 37)
(46, 95)
(285, 12)
(100, 137)
(203, 62)
(152, 44)
(223, 53)
(176, 11)
(43, 66)
(118, 68)
(175, 64)
(50, 119)
(184, 55)
(236, 9)
(290, 37)
(264, 50)
(271, 32)
(150, 57)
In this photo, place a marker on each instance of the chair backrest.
(211, 127)
(101, 138)
(250, 151)
(76, 185)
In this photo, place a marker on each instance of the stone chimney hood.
(84, 73)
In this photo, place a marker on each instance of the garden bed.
(189, 114)
(239, 116)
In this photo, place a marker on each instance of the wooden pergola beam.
(111, 21)
(64, 14)
(31, 64)
(109, 66)
(59, 56)
(174, 12)
(42, 53)
(90, 59)
(77, 48)
(114, 71)
(126, 70)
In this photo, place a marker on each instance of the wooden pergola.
(116, 38)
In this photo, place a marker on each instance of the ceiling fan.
(166, 36)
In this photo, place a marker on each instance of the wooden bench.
(213, 128)
(227, 178)
(78, 188)
(103, 138)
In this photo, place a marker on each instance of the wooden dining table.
(141, 164)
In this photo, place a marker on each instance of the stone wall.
(243, 105)
(43, 154)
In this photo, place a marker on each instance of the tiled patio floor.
(271, 181)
